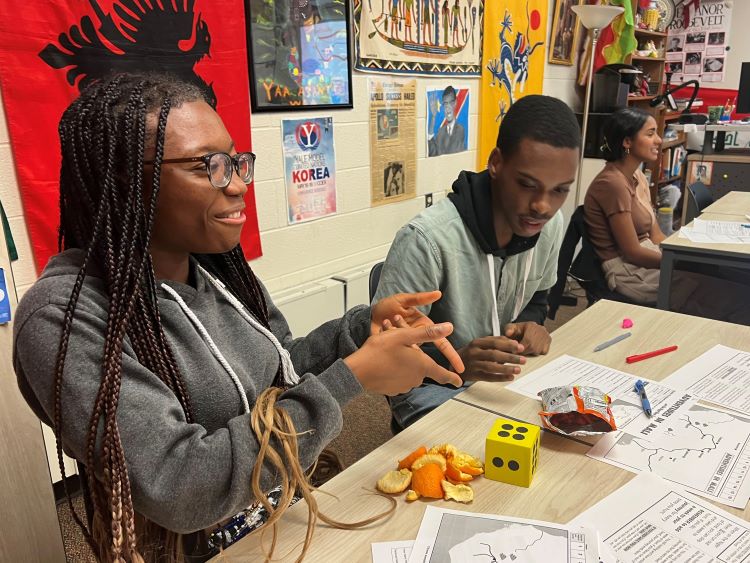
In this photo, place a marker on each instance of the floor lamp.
(594, 18)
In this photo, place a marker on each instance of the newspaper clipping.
(393, 140)
(700, 50)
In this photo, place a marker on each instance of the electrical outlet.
(427, 200)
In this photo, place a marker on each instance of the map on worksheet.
(704, 450)
(451, 536)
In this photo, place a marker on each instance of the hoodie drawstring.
(518, 306)
(290, 376)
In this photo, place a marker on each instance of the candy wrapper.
(576, 410)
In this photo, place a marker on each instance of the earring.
(627, 150)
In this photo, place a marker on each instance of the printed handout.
(649, 520)
(465, 537)
(704, 450)
(720, 376)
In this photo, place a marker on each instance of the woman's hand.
(389, 362)
(404, 305)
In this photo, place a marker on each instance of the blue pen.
(640, 388)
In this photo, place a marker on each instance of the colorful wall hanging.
(512, 63)
(437, 37)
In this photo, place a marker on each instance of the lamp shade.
(597, 17)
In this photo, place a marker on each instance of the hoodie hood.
(472, 196)
(67, 263)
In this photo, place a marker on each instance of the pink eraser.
(627, 323)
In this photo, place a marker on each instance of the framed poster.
(430, 37)
(564, 36)
(447, 120)
(299, 54)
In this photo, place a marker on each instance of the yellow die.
(512, 452)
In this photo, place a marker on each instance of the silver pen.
(609, 343)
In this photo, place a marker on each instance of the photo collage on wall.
(699, 51)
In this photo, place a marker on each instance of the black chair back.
(374, 279)
(698, 198)
(585, 268)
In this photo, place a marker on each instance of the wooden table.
(554, 494)
(652, 329)
(550, 496)
(674, 249)
(734, 203)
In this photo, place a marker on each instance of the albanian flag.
(50, 50)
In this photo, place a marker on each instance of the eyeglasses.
(220, 166)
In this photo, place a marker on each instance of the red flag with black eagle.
(49, 50)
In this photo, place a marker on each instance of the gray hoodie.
(184, 477)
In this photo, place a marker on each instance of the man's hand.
(534, 337)
(400, 310)
(492, 358)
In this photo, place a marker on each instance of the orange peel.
(412, 457)
(456, 474)
(445, 450)
(394, 481)
(430, 458)
(460, 492)
(426, 480)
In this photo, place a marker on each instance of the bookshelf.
(662, 171)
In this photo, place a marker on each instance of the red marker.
(647, 355)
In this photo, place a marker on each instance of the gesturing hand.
(492, 358)
(389, 363)
(404, 305)
(534, 337)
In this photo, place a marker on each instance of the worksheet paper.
(705, 451)
(452, 536)
(666, 403)
(731, 232)
(392, 551)
(720, 376)
(648, 520)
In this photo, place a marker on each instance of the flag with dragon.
(512, 63)
(49, 51)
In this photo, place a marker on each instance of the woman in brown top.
(617, 208)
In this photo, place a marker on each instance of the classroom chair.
(584, 267)
(374, 279)
(698, 198)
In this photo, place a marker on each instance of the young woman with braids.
(155, 353)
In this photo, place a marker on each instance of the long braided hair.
(107, 209)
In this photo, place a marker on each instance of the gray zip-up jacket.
(184, 477)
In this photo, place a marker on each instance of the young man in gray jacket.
(491, 247)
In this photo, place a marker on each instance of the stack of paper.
(730, 232)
